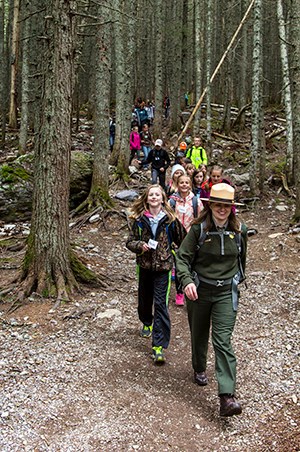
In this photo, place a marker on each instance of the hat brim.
(222, 201)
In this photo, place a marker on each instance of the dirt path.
(81, 379)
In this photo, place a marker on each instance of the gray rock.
(16, 182)
(282, 208)
(127, 195)
(240, 179)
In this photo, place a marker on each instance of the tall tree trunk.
(14, 67)
(25, 83)
(228, 66)
(287, 97)
(128, 26)
(159, 4)
(123, 57)
(2, 75)
(175, 68)
(47, 264)
(99, 187)
(243, 71)
(198, 61)
(209, 35)
(256, 143)
(295, 39)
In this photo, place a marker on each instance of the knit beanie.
(177, 167)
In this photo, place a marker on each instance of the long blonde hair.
(140, 204)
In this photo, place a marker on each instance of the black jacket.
(159, 158)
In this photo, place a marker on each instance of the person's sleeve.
(133, 242)
(149, 158)
(180, 232)
(244, 245)
(168, 160)
(204, 157)
(200, 206)
(185, 257)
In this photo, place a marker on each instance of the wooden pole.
(197, 106)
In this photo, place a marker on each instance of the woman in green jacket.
(210, 263)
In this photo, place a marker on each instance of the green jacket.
(209, 261)
(197, 155)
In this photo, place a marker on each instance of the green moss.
(278, 167)
(9, 175)
(81, 272)
(6, 259)
(7, 242)
(28, 258)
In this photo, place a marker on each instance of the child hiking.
(197, 153)
(153, 232)
(187, 207)
(176, 171)
(135, 143)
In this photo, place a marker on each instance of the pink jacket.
(135, 141)
(184, 209)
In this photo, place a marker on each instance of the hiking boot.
(158, 355)
(146, 331)
(229, 406)
(179, 300)
(200, 378)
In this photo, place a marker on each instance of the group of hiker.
(187, 230)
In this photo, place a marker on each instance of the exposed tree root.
(84, 218)
(95, 201)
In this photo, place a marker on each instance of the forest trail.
(81, 378)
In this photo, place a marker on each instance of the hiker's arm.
(204, 155)
(168, 160)
(244, 246)
(191, 291)
(134, 242)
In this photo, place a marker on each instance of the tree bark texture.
(2, 75)
(159, 68)
(47, 262)
(287, 97)
(99, 187)
(199, 29)
(25, 84)
(14, 66)
(295, 39)
(256, 96)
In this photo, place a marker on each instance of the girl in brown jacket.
(154, 233)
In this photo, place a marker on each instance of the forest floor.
(81, 379)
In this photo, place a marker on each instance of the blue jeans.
(146, 150)
(160, 175)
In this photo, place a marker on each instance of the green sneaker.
(158, 355)
(146, 331)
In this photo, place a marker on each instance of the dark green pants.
(213, 307)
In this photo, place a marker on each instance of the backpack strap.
(169, 230)
(195, 206)
(202, 235)
(172, 203)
